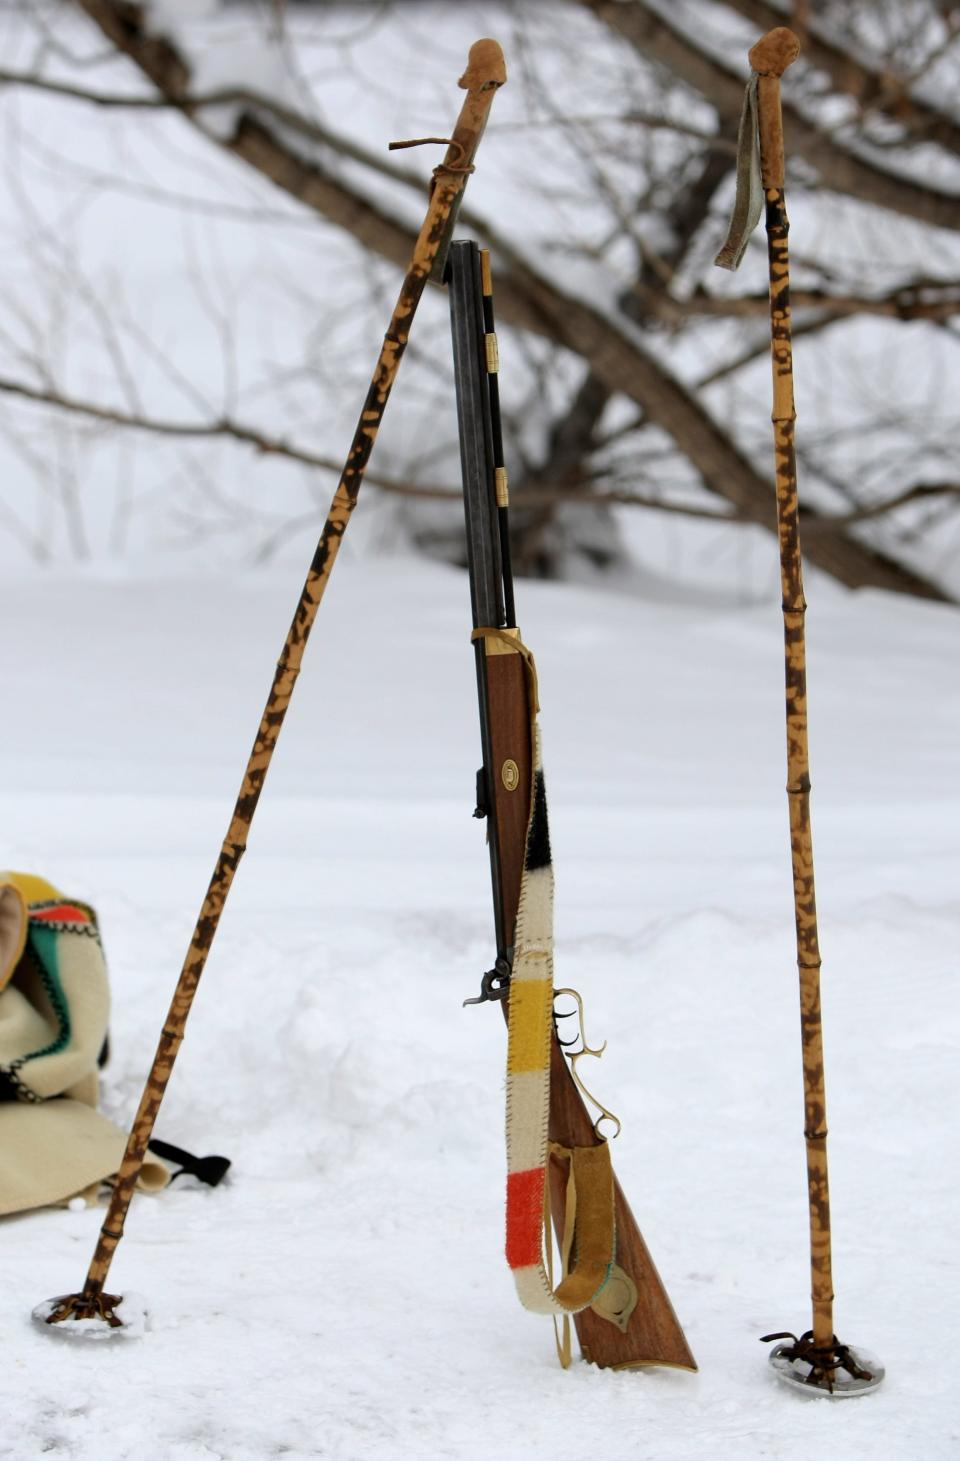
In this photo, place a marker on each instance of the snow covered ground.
(344, 1295)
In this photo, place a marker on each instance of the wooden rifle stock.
(632, 1322)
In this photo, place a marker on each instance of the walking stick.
(817, 1360)
(484, 74)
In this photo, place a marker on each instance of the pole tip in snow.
(93, 1316)
(836, 1370)
(774, 52)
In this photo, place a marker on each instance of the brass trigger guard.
(585, 1049)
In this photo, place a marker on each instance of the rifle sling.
(590, 1236)
(513, 642)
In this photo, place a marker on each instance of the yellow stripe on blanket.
(531, 1001)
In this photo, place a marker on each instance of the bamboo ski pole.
(817, 1359)
(485, 73)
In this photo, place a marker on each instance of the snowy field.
(344, 1294)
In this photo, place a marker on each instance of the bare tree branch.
(919, 492)
(919, 300)
(873, 89)
(266, 445)
(572, 438)
(633, 116)
(224, 426)
(838, 167)
(258, 101)
(238, 96)
(614, 351)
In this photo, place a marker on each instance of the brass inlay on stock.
(617, 1299)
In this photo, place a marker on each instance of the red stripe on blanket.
(60, 913)
(524, 1217)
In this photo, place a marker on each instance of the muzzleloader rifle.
(557, 1158)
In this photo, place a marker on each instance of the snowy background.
(344, 1293)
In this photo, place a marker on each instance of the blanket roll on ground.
(54, 1011)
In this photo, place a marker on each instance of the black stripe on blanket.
(538, 835)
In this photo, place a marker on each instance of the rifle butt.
(632, 1323)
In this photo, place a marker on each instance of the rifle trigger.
(480, 810)
(495, 984)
